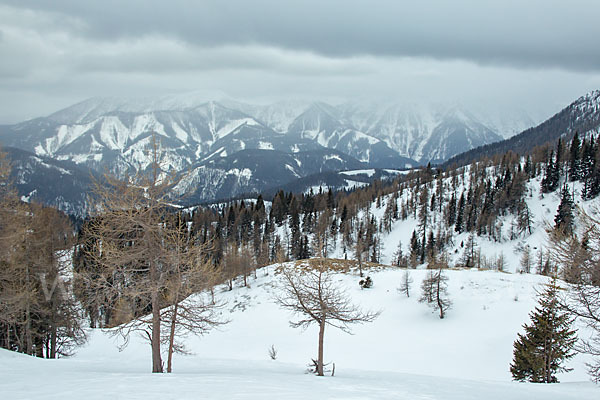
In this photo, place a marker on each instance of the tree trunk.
(28, 335)
(360, 266)
(156, 359)
(172, 338)
(549, 355)
(53, 335)
(320, 356)
(39, 347)
(439, 301)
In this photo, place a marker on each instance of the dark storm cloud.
(531, 33)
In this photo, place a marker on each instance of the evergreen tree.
(563, 220)
(575, 159)
(551, 178)
(458, 226)
(547, 342)
(588, 167)
(528, 167)
(451, 213)
(415, 249)
(295, 238)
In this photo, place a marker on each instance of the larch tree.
(38, 315)
(434, 291)
(130, 236)
(311, 293)
(191, 273)
(578, 256)
(405, 284)
(143, 271)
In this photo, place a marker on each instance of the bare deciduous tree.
(146, 267)
(579, 260)
(38, 315)
(434, 291)
(405, 284)
(310, 292)
(191, 273)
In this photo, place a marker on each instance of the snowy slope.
(508, 244)
(407, 353)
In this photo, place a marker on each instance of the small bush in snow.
(273, 352)
(366, 283)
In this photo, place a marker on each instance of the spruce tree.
(458, 225)
(415, 249)
(575, 159)
(547, 342)
(563, 220)
(551, 178)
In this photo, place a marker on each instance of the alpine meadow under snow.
(406, 353)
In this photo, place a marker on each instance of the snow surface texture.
(407, 353)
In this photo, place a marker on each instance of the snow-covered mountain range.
(226, 148)
(112, 132)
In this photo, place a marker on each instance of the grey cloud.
(535, 33)
(160, 56)
(531, 53)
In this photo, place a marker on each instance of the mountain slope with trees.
(582, 116)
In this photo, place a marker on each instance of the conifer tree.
(547, 342)
(415, 249)
(458, 226)
(563, 221)
(587, 166)
(551, 178)
(405, 284)
(451, 210)
(434, 289)
(525, 218)
(313, 295)
(575, 159)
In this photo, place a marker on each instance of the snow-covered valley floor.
(407, 353)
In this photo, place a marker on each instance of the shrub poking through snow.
(273, 352)
(366, 283)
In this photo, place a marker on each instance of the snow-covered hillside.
(407, 353)
(543, 208)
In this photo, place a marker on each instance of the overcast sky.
(535, 54)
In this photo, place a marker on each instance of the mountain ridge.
(582, 116)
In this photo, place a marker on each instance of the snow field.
(407, 353)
